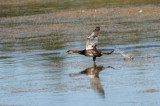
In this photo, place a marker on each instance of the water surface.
(34, 69)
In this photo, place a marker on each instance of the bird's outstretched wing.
(92, 40)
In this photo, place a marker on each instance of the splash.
(126, 56)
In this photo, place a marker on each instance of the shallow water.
(34, 69)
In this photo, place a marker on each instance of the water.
(34, 69)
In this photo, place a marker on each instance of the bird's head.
(69, 52)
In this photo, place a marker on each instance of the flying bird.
(91, 46)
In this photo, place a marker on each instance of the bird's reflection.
(93, 75)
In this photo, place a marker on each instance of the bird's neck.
(76, 51)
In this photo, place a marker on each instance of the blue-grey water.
(34, 69)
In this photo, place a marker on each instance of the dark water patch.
(27, 23)
(5, 57)
(136, 47)
(46, 54)
(24, 55)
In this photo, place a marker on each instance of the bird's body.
(91, 46)
(89, 53)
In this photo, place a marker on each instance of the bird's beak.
(66, 53)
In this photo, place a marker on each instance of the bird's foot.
(94, 64)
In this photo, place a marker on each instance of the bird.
(91, 46)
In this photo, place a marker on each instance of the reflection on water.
(93, 75)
